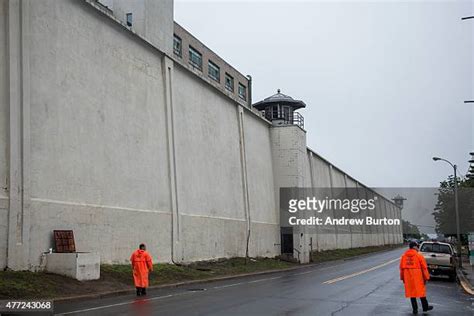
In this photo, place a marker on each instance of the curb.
(464, 282)
(215, 279)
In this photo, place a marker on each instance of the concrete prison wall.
(103, 133)
(4, 122)
(322, 174)
(98, 154)
(122, 145)
(224, 174)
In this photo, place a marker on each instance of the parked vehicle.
(440, 258)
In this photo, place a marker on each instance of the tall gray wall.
(4, 120)
(320, 173)
(116, 143)
(263, 209)
(95, 151)
(219, 180)
(151, 19)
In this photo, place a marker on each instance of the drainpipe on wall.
(249, 77)
(245, 189)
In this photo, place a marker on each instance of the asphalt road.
(367, 285)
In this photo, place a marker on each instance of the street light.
(456, 208)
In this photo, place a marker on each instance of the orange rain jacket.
(414, 273)
(141, 265)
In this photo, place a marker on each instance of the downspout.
(168, 78)
(249, 77)
(245, 190)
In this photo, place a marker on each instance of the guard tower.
(289, 154)
(280, 109)
(399, 200)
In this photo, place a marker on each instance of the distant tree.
(444, 212)
(410, 231)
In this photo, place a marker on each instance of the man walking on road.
(141, 265)
(414, 274)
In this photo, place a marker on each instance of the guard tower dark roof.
(280, 109)
(279, 98)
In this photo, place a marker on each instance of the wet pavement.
(367, 285)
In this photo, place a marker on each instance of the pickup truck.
(440, 258)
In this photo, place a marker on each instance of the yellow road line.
(361, 272)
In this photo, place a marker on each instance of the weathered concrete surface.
(80, 266)
(113, 232)
(289, 157)
(321, 173)
(3, 232)
(263, 208)
(99, 151)
(211, 174)
(4, 120)
(152, 19)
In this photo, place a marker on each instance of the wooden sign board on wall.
(64, 241)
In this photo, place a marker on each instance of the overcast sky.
(384, 82)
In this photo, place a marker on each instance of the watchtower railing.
(289, 118)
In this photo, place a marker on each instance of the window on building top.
(214, 71)
(242, 91)
(129, 19)
(177, 46)
(195, 58)
(229, 82)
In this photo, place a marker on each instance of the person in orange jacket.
(414, 274)
(141, 265)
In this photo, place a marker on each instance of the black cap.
(413, 244)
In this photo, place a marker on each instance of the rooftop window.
(129, 19)
(229, 82)
(177, 46)
(214, 71)
(242, 91)
(195, 58)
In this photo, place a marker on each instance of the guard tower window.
(129, 19)
(177, 46)
(242, 91)
(195, 58)
(229, 82)
(274, 112)
(286, 113)
(214, 71)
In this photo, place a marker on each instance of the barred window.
(242, 91)
(195, 58)
(229, 82)
(214, 71)
(177, 46)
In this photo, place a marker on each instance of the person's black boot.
(139, 291)
(414, 305)
(428, 308)
(143, 291)
(424, 303)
